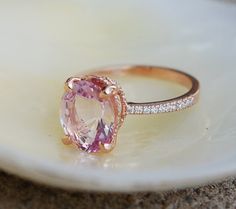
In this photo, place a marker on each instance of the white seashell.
(43, 45)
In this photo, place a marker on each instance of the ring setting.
(93, 107)
(93, 126)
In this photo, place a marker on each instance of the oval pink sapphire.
(88, 119)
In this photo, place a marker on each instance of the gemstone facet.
(89, 120)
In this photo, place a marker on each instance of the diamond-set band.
(133, 109)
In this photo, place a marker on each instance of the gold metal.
(155, 72)
(103, 148)
(109, 90)
(66, 140)
(70, 81)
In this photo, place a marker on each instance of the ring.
(94, 107)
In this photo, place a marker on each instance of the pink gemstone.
(88, 119)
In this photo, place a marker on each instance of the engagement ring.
(94, 106)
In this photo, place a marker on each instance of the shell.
(161, 152)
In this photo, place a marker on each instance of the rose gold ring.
(94, 106)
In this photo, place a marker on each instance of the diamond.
(138, 109)
(154, 109)
(146, 109)
(130, 109)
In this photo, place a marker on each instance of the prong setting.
(70, 82)
(108, 91)
(66, 140)
(105, 148)
(100, 90)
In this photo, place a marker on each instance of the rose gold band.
(163, 73)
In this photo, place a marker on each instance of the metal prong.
(66, 140)
(104, 148)
(70, 81)
(109, 90)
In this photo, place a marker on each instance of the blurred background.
(47, 35)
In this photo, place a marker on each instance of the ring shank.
(163, 73)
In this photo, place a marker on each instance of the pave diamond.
(161, 107)
(130, 109)
(138, 109)
(146, 109)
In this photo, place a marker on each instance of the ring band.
(163, 73)
(94, 106)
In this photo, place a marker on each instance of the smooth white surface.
(43, 43)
